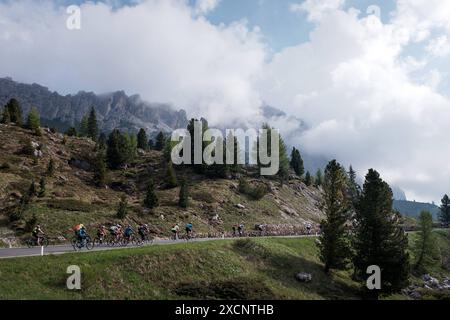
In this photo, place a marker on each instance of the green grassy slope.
(72, 198)
(262, 268)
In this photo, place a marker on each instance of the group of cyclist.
(238, 230)
(189, 228)
(116, 231)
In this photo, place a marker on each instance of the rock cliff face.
(114, 110)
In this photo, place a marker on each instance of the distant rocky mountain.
(398, 193)
(413, 208)
(114, 110)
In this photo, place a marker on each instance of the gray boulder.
(304, 277)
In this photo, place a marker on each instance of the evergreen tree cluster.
(121, 148)
(297, 162)
(12, 112)
(444, 215)
(376, 238)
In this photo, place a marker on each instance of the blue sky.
(280, 27)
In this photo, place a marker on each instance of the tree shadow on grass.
(284, 267)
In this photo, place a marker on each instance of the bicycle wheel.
(89, 244)
(30, 243)
(44, 242)
(75, 244)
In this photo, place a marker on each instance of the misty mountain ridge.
(114, 110)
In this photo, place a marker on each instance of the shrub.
(256, 193)
(122, 211)
(5, 166)
(28, 148)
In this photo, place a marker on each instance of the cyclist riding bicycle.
(189, 228)
(128, 232)
(37, 234)
(143, 230)
(80, 232)
(234, 227)
(101, 232)
(308, 228)
(175, 230)
(115, 231)
(241, 229)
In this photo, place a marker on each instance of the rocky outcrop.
(304, 277)
(114, 110)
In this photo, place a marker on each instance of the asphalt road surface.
(60, 249)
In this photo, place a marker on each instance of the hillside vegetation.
(71, 196)
(261, 268)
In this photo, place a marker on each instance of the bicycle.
(33, 242)
(114, 240)
(86, 242)
(100, 240)
(146, 239)
(189, 236)
(130, 239)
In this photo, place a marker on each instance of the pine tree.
(28, 148)
(6, 118)
(308, 179)
(120, 149)
(160, 141)
(265, 148)
(151, 145)
(151, 200)
(319, 178)
(297, 162)
(199, 168)
(379, 239)
(92, 126)
(183, 201)
(102, 141)
(100, 169)
(51, 168)
(32, 190)
(444, 215)
(42, 188)
(72, 132)
(234, 153)
(15, 111)
(335, 251)
(217, 170)
(167, 151)
(122, 210)
(83, 126)
(142, 140)
(354, 190)
(33, 120)
(31, 223)
(424, 246)
(170, 176)
(283, 172)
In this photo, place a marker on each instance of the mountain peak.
(114, 110)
